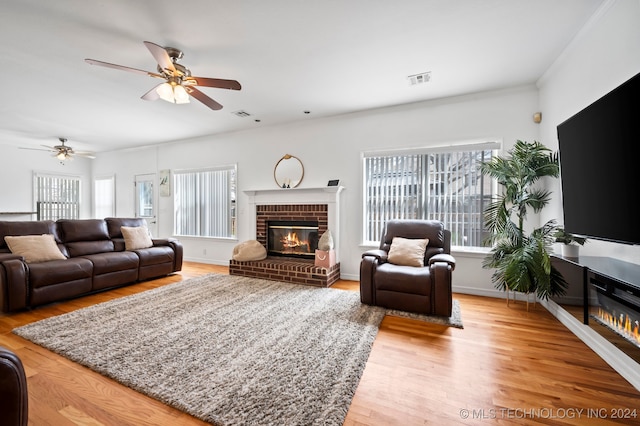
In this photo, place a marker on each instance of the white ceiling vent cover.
(419, 78)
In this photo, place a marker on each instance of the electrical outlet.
(204, 251)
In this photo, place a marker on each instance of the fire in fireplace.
(292, 238)
(618, 317)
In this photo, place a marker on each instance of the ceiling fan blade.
(203, 98)
(34, 149)
(90, 155)
(161, 56)
(214, 82)
(50, 148)
(152, 94)
(122, 67)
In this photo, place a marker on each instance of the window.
(57, 196)
(104, 197)
(205, 202)
(145, 197)
(443, 184)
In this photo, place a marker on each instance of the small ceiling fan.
(64, 152)
(178, 83)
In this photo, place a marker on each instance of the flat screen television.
(600, 167)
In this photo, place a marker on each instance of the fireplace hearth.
(297, 239)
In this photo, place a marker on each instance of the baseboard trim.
(349, 277)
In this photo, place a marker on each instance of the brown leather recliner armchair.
(424, 290)
(14, 410)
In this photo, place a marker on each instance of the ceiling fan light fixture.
(180, 95)
(61, 156)
(173, 93)
(165, 91)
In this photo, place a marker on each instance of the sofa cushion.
(104, 263)
(155, 255)
(113, 269)
(136, 237)
(58, 280)
(85, 248)
(114, 224)
(56, 272)
(83, 230)
(407, 252)
(403, 279)
(31, 227)
(35, 248)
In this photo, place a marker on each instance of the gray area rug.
(230, 350)
(226, 349)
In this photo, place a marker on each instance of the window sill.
(455, 250)
(472, 252)
(197, 237)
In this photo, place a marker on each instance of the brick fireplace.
(289, 212)
(292, 238)
(319, 205)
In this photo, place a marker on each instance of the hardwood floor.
(507, 366)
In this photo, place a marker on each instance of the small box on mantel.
(325, 259)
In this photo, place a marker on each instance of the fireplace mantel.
(294, 195)
(329, 195)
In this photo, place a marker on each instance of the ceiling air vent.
(419, 78)
(241, 113)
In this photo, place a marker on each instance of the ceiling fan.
(64, 152)
(178, 83)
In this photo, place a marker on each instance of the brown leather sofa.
(96, 259)
(14, 398)
(424, 290)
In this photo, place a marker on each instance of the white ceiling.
(328, 57)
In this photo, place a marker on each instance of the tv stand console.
(604, 277)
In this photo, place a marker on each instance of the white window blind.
(104, 197)
(443, 184)
(57, 196)
(205, 202)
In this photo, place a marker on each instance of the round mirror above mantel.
(288, 172)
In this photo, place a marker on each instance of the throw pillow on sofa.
(35, 248)
(136, 237)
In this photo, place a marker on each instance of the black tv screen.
(600, 166)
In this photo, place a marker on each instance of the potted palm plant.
(522, 260)
(570, 243)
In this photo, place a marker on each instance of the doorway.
(145, 203)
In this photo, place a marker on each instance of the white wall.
(16, 174)
(603, 55)
(330, 148)
(125, 165)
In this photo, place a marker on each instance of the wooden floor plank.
(507, 366)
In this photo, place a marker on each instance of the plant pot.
(571, 251)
